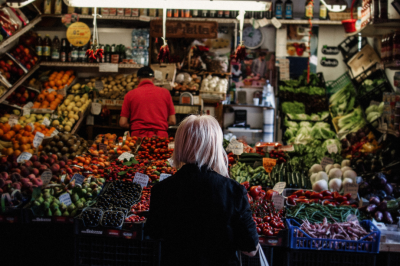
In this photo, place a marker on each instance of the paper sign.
(46, 177)
(98, 84)
(171, 145)
(268, 148)
(279, 201)
(325, 161)
(269, 164)
(141, 179)
(287, 148)
(332, 148)
(26, 111)
(280, 186)
(55, 132)
(103, 147)
(12, 122)
(164, 176)
(351, 188)
(46, 122)
(25, 156)
(108, 67)
(38, 139)
(32, 126)
(63, 178)
(65, 198)
(384, 127)
(235, 147)
(276, 23)
(96, 108)
(125, 155)
(170, 161)
(263, 22)
(78, 179)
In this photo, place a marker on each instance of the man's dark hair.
(145, 72)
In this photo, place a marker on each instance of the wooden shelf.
(79, 123)
(394, 65)
(20, 32)
(378, 28)
(19, 83)
(247, 105)
(85, 65)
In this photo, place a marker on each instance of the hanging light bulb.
(334, 5)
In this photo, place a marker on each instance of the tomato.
(258, 230)
(267, 218)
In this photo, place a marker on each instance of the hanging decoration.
(163, 55)
(94, 52)
(309, 44)
(240, 53)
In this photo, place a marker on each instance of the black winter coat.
(202, 218)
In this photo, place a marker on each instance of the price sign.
(26, 111)
(12, 122)
(103, 147)
(66, 199)
(108, 67)
(269, 164)
(164, 176)
(325, 161)
(96, 108)
(170, 161)
(287, 148)
(171, 145)
(263, 22)
(32, 126)
(25, 156)
(55, 132)
(332, 148)
(351, 188)
(125, 155)
(46, 177)
(38, 139)
(46, 122)
(98, 84)
(63, 177)
(280, 186)
(78, 179)
(268, 148)
(141, 179)
(235, 147)
(279, 201)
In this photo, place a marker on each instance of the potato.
(118, 81)
(110, 78)
(120, 76)
(128, 80)
(92, 80)
(112, 83)
(76, 86)
(124, 83)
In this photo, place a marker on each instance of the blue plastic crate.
(309, 243)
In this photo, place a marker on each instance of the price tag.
(263, 22)
(235, 147)
(63, 178)
(269, 164)
(287, 148)
(38, 139)
(12, 122)
(279, 201)
(46, 177)
(50, 90)
(170, 161)
(26, 111)
(108, 67)
(171, 145)
(96, 108)
(78, 179)
(332, 148)
(384, 127)
(55, 132)
(125, 155)
(141, 179)
(46, 122)
(25, 156)
(276, 23)
(65, 198)
(144, 18)
(164, 176)
(325, 161)
(280, 186)
(32, 126)
(103, 147)
(268, 148)
(98, 84)
(351, 188)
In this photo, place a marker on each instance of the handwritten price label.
(125, 155)
(280, 186)
(351, 188)
(46, 122)
(25, 156)
(12, 122)
(269, 164)
(78, 179)
(46, 177)
(325, 161)
(171, 145)
(164, 176)
(141, 179)
(103, 147)
(38, 139)
(332, 148)
(279, 201)
(66, 199)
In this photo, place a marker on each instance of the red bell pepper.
(299, 193)
(326, 193)
(255, 191)
(308, 193)
(316, 195)
(291, 201)
(271, 193)
(246, 184)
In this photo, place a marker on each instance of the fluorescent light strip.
(159, 4)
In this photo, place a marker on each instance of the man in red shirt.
(147, 110)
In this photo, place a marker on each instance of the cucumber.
(250, 155)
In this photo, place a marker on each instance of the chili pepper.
(299, 193)
(316, 195)
(314, 201)
(308, 193)
(328, 197)
(294, 196)
(302, 201)
(336, 195)
(341, 198)
(345, 203)
(326, 193)
(291, 201)
(302, 197)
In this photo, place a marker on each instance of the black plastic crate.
(255, 261)
(102, 251)
(350, 46)
(328, 258)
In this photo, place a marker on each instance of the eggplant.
(382, 206)
(379, 180)
(378, 216)
(371, 208)
(364, 188)
(374, 200)
(369, 196)
(388, 189)
(381, 194)
(387, 217)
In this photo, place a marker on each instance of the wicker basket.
(339, 16)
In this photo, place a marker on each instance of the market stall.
(313, 138)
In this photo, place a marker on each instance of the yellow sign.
(269, 164)
(78, 34)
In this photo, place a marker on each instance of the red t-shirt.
(147, 108)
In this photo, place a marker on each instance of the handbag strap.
(263, 260)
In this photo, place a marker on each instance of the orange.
(24, 140)
(28, 128)
(59, 96)
(41, 97)
(1, 133)
(52, 83)
(10, 151)
(17, 127)
(6, 128)
(58, 83)
(50, 97)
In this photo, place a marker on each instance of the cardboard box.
(363, 60)
(164, 74)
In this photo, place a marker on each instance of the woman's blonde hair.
(199, 140)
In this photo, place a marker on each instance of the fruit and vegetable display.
(368, 85)
(325, 197)
(155, 148)
(21, 96)
(57, 80)
(117, 87)
(114, 145)
(24, 55)
(343, 101)
(68, 145)
(47, 101)
(10, 70)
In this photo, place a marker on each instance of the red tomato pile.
(134, 219)
(269, 221)
(325, 197)
(155, 148)
(144, 203)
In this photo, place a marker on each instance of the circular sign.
(78, 34)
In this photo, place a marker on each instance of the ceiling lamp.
(334, 5)
(173, 4)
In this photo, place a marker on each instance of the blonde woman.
(201, 214)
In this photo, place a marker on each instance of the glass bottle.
(195, 13)
(46, 50)
(309, 10)
(63, 50)
(74, 54)
(279, 9)
(288, 9)
(323, 12)
(39, 47)
(55, 49)
(204, 13)
(107, 54)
